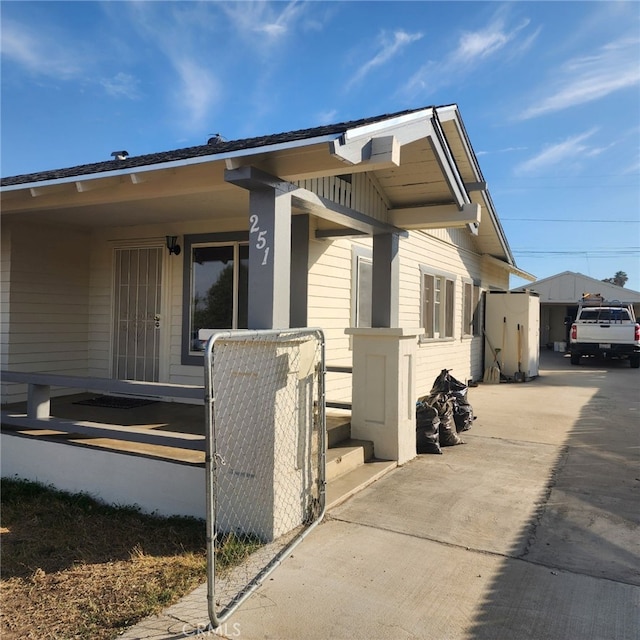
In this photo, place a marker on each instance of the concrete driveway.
(530, 530)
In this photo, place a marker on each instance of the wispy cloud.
(122, 85)
(390, 45)
(40, 53)
(505, 150)
(612, 68)
(263, 18)
(51, 54)
(568, 152)
(474, 48)
(327, 117)
(176, 35)
(199, 90)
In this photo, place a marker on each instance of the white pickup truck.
(606, 329)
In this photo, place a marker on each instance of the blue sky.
(549, 93)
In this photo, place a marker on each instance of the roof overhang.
(420, 163)
(512, 269)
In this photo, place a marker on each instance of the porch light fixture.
(173, 246)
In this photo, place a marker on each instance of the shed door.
(136, 329)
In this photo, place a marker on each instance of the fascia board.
(171, 164)
(369, 130)
(511, 268)
(452, 113)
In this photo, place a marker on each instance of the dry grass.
(75, 568)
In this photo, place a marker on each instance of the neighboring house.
(559, 297)
(384, 222)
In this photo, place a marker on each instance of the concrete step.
(346, 456)
(338, 428)
(343, 487)
(350, 463)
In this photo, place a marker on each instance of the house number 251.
(261, 240)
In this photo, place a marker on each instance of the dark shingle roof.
(219, 147)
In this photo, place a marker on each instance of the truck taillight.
(574, 331)
(637, 335)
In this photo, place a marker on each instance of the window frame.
(471, 316)
(359, 256)
(233, 238)
(436, 327)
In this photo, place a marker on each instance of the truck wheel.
(634, 362)
(575, 358)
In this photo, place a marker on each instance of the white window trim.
(447, 276)
(357, 254)
(475, 286)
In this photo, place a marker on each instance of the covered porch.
(160, 466)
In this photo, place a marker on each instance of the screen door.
(136, 330)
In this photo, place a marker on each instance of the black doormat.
(114, 402)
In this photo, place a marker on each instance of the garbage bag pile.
(442, 414)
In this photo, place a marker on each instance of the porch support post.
(299, 270)
(386, 280)
(269, 258)
(38, 401)
(384, 394)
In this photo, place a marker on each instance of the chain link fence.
(265, 448)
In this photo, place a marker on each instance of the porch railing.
(39, 416)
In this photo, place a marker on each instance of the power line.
(594, 253)
(566, 220)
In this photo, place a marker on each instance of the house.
(380, 231)
(559, 297)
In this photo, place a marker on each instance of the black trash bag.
(463, 416)
(427, 429)
(447, 429)
(457, 392)
(446, 383)
(448, 397)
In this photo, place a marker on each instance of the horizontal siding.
(47, 329)
(438, 252)
(100, 313)
(62, 314)
(329, 307)
(5, 307)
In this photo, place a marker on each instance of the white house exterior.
(377, 231)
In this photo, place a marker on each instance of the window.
(362, 288)
(471, 310)
(438, 295)
(215, 290)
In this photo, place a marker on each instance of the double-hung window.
(438, 297)
(471, 316)
(361, 278)
(215, 289)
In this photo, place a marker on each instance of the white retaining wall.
(156, 486)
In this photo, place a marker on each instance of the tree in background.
(620, 279)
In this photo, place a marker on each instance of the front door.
(136, 329)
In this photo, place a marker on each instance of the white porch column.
(384, 390)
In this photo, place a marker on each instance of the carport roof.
(567, 288)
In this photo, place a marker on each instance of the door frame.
(165, 319)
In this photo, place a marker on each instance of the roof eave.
(144, 168)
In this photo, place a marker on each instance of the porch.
(160, 478)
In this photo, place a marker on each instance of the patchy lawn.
(75, 568)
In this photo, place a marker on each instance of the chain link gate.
(265, 455)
